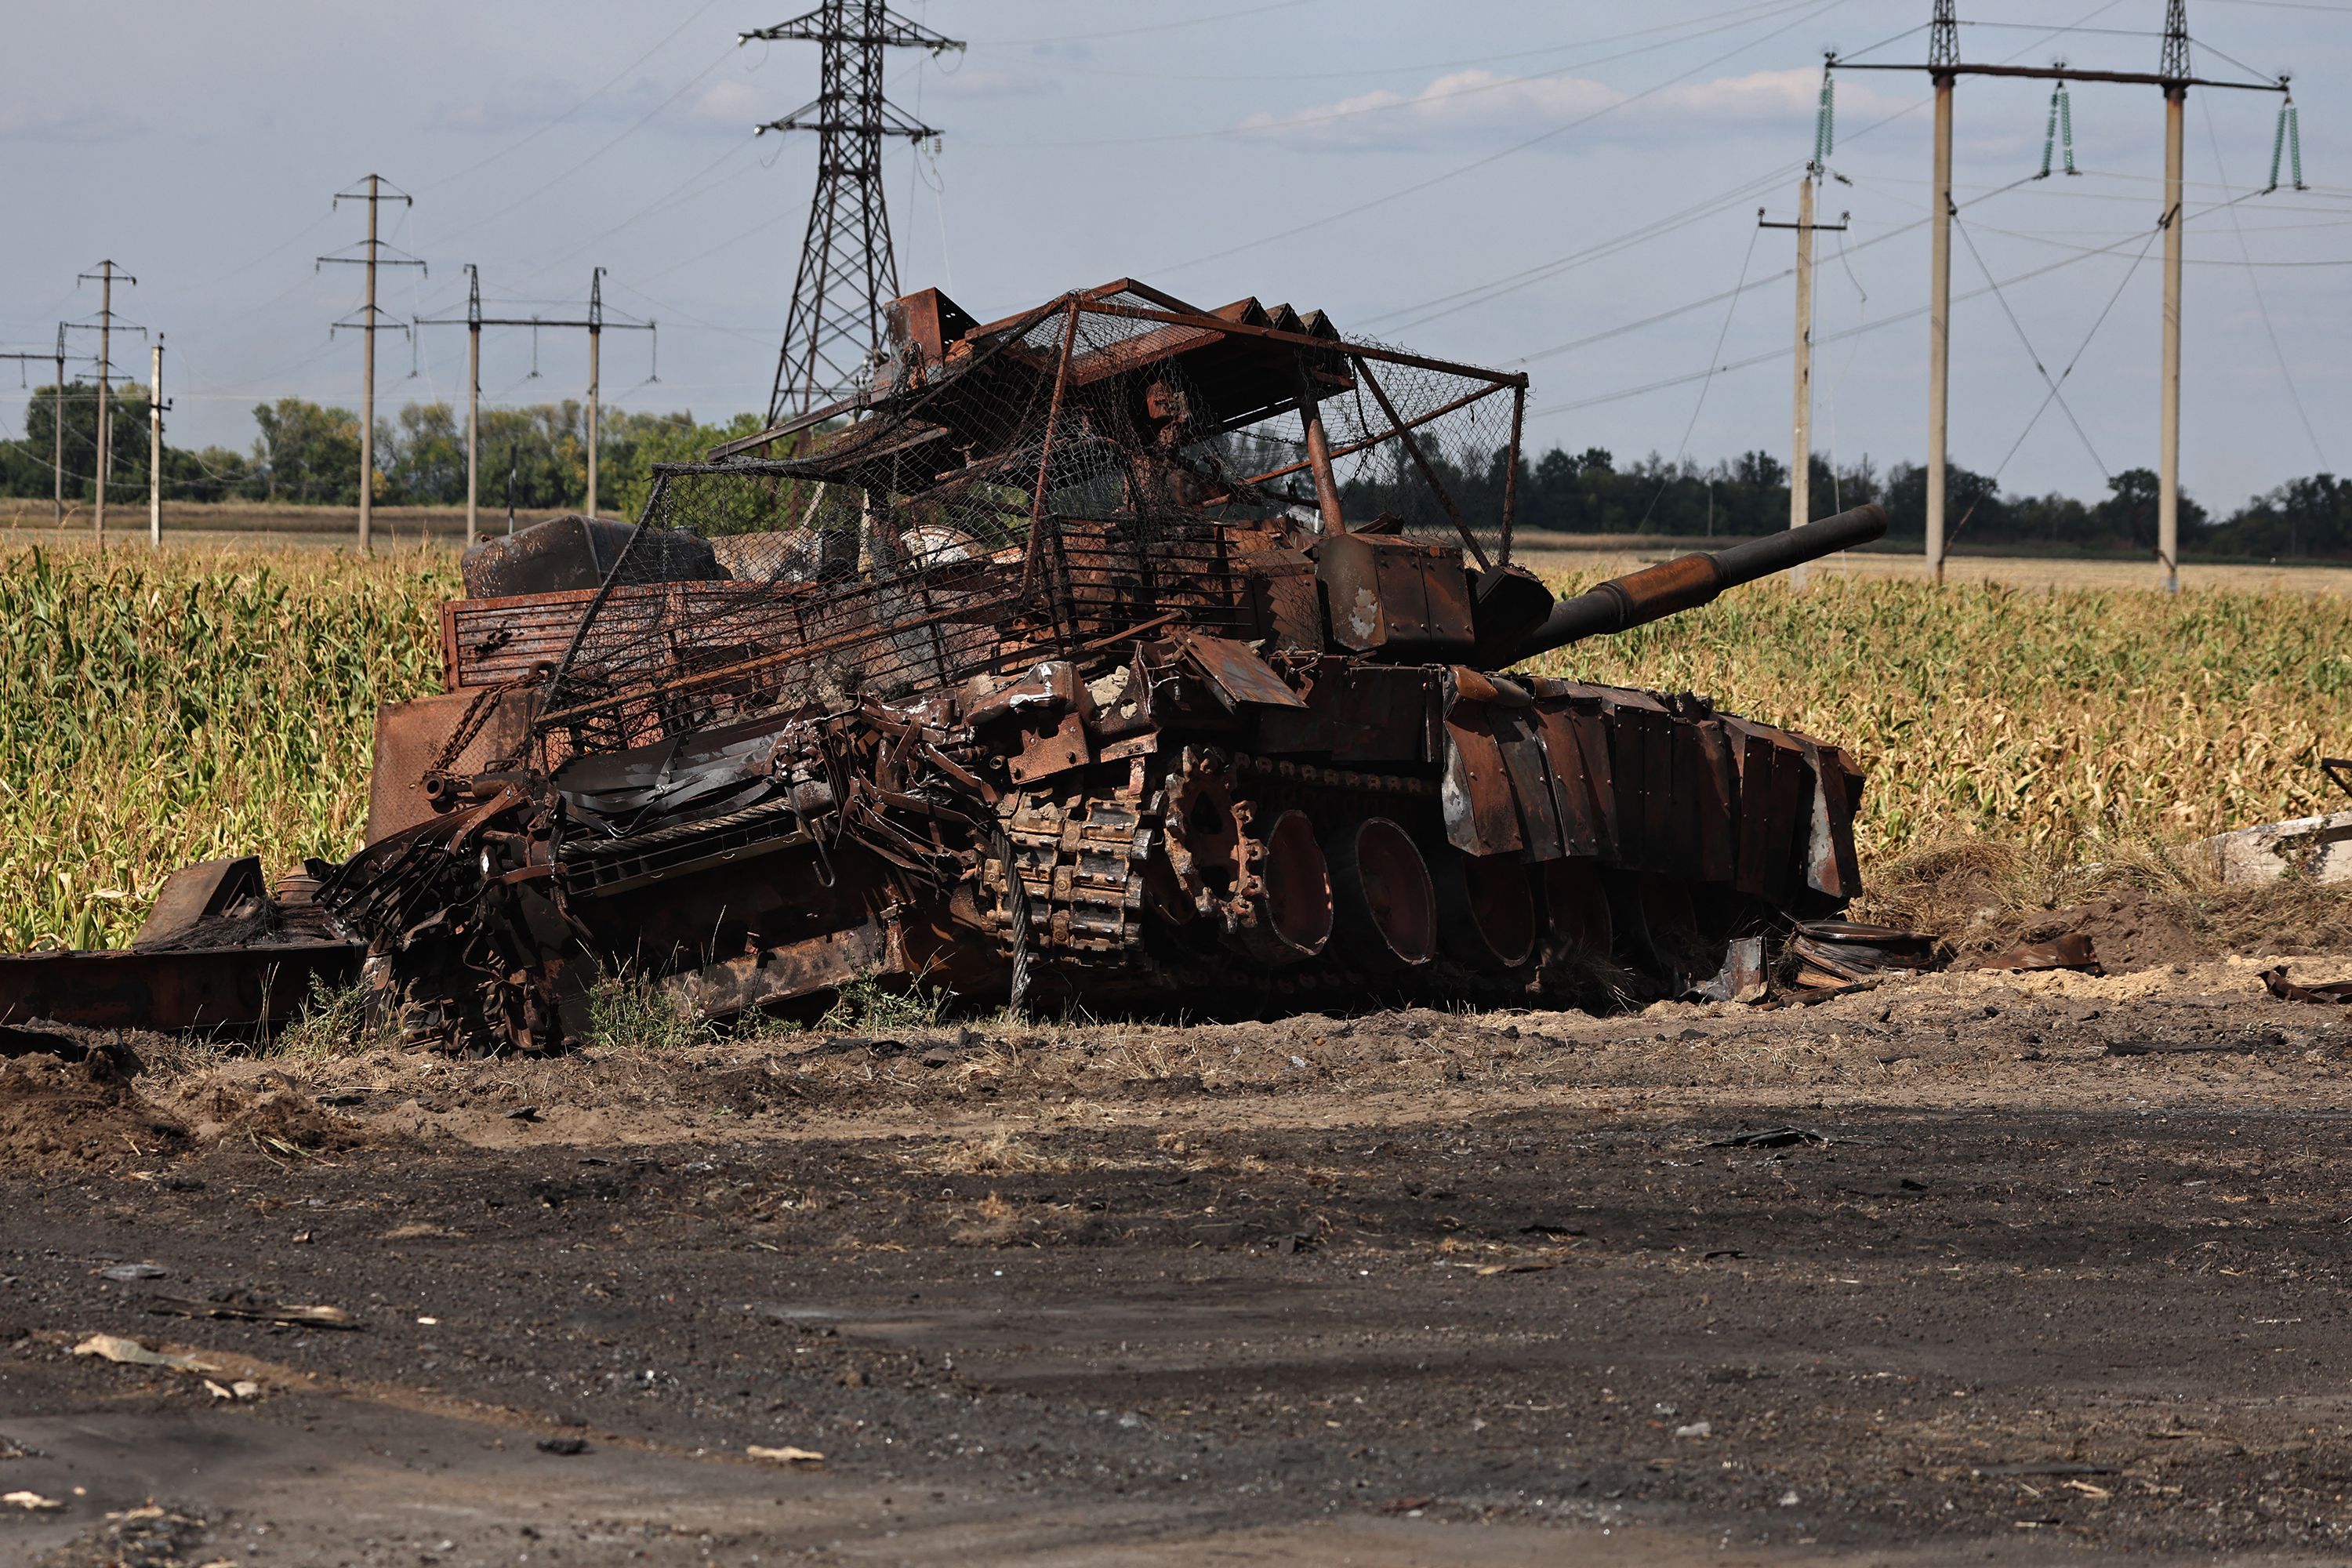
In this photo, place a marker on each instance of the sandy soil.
(1998, 1267)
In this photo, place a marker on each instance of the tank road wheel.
(1385, 905)
(1576, 908)
(1487, 905)
(1281, 909)
(1659, 930)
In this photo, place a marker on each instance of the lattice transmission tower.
(847, 271)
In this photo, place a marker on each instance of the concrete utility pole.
(595, 339)
(57, 432)
(1943, 50)
(1944, 66)
(2175, 69)
(105, 277)
(155, 406)
(374, 196)
(473, 397)
(474, 322)
(1800, 439)
(56, 419)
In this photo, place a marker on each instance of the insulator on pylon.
(2060, 132)
(2288, 140)
(1825, 121)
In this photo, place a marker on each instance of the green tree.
(24, 469)
(307, 453)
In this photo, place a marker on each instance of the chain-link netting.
(1025, 491)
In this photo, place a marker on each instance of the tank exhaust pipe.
(1672, 586)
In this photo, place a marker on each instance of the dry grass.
(1984, 894)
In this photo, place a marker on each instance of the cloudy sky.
(1567, 186)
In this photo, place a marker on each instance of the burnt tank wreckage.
(1118, 651)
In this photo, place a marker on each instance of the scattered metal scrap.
(2276, 981)
(1088, 653)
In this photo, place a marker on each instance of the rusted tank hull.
(1039, 676)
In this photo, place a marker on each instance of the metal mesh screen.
(1042, 486)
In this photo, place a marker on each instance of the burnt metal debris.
(1119, 651)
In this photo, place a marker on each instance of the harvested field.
(1994, 1266)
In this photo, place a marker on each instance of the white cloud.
(737, 105)
(527, 103)
(1471, 105)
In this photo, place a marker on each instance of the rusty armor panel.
(409, 738)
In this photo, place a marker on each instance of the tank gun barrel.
(1689, 581)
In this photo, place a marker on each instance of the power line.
(635, 126)
(1766, 356)
(2083, 348)
(1481, 163)
(667, 39)
(1740, 194)
(2254, 282)
(1418, 102)
(1706, 382)
(1152, 27)
(1421, 66)
(2019, 327)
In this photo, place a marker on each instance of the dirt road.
(1972, 1267)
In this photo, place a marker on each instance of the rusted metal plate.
(1289, 613)
(1829, 864)
(1751, 751)
(1046, 752)
(1629, 755)
(1360, 713)
(781, 973)
(1531, 784)
(234, 990)
(1665, 843)
(1714, 801)
(1593, 746)
(195, 894)
(1394, 594)
(411, 736)
(1476, 796)
(1572, 804)
(1235, 675)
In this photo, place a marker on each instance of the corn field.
(156, 710)
(159, 711)
(2056, 719)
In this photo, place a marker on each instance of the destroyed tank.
(1119, 652)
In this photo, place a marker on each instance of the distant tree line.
(306, 454)
(1589, 491)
